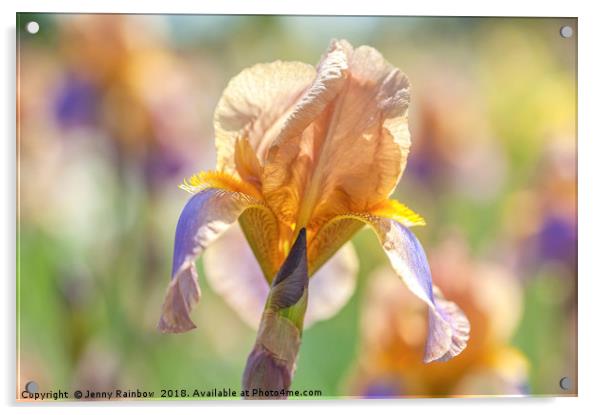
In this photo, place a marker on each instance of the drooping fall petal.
(333, 234)
(243, 286)
(448, 327)
(204, 218)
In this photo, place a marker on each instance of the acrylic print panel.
(370, 206)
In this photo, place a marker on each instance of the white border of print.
(590, 206)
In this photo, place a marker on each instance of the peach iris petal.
(351, 155)
(254, 105)
(244, 288)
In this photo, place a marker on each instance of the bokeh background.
(114, 111)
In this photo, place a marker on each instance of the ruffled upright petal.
(254, 106)
(364, 151)
(292, 155)
(204, 218)
(344, 145)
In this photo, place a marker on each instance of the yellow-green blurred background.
(114, 111)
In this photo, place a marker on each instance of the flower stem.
(271, 363)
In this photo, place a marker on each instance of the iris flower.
(305, 158)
